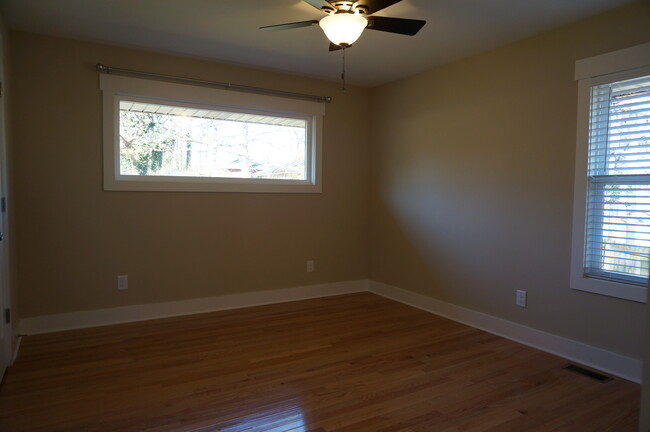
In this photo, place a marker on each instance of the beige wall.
(74, 238)
(472, 183)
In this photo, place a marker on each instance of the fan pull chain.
(343, 89)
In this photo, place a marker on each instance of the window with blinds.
(617, 240)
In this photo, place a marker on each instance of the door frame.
(5, 269)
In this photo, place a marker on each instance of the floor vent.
(591, 374)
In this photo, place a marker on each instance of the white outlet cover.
(123, 282)
(521, 298)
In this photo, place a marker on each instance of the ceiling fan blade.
(373, 6)
(334, 47)
(321, 5)
(290, 25)
(403, 26)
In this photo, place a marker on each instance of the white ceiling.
(227, 30)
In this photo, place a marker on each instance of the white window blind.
(617, 240)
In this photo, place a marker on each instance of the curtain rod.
(228, 86)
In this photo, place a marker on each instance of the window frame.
(606, 68)
(116, 88)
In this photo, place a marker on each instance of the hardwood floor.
(350, 363)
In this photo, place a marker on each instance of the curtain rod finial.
(102, 68)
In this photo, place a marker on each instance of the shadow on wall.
(447, 228)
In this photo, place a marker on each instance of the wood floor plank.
(339, 364)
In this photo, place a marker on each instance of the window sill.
(196, 184)
(612, 289)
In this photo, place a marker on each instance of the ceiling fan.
(346, 20)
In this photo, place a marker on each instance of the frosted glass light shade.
(343, 28)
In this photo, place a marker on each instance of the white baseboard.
(124, 314)
(606, 361)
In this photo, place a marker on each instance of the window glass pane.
(618, 230)
(619, 135)
(167, 140)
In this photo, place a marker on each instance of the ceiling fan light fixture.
(343, 28)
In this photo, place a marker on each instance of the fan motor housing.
(346, 7)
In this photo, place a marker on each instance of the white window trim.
(115, 88)
(614, 66)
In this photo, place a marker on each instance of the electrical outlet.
(123, 282)
(310, 266)
(521, 298)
